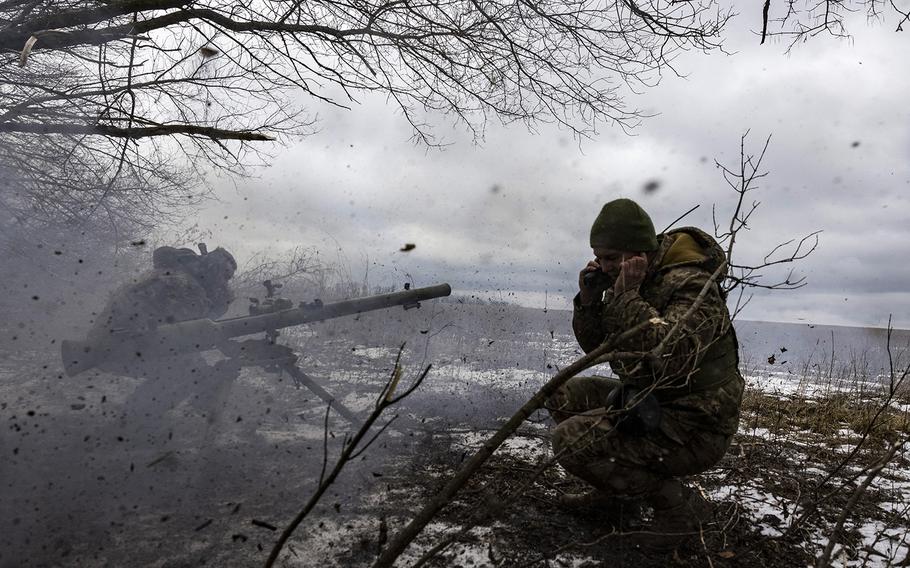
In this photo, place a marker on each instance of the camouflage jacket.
(697, 379)
(159, 297)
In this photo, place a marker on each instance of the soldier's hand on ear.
(631, 275)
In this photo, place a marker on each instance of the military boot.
(586, 499)
(679, 513)
(621, 513)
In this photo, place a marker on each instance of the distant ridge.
(806, 323)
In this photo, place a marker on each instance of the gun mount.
(205, 334)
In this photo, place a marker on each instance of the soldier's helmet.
(168, 258)
(219, 263)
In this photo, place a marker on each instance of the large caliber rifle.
(269, 316)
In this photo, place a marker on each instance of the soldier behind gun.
(688, 403)
(181, 286)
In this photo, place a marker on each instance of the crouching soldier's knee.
(589, 447)
(582, 438)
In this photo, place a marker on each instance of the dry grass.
(832, 397)
(809, 450)
(827, 416)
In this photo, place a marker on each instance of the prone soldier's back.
(159, 297)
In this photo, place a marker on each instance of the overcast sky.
(510, 217)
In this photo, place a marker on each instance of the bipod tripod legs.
(303, 379)
(271, 356)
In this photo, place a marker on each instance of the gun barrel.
(246, 325)
(204, 334)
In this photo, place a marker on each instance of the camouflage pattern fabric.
(162, 296)
(697, 380)
(628, 465)
(159, 297)
(167, 384)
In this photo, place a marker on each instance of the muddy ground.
(76, 491)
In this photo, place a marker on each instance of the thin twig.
(825, 559)
(895, 382)
(444, 496)
(349, 448)
(325, 443)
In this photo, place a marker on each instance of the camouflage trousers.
(167, 384)
(625, 464)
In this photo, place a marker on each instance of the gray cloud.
(513, 213)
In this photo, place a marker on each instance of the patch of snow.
(773, 383)
(757, 432)
(306, 432)
(376, 352)
(899, 507)
(319, 542)
(889, 542)
(786, 384)
(461, 380)
(358, 402)
(372, 500)
(880, 546)
(814, 470)
(527, 449)
(520, 447)
(760, 506)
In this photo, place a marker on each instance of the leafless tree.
(120, 91)
(744, 276)
(801, 20)
(298, 268)
(57, 180)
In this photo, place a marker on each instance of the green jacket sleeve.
(686, 349)
(587, 323)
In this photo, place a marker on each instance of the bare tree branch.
(350, 449)
(604, 352)
(136, 132)
(740, 277)
(201, 82)
(825, 559)
(807, 19)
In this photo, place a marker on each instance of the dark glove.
(644, 415)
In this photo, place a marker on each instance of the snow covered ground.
(75, 495)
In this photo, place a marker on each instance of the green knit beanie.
(623, 225)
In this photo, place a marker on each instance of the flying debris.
(263, 524)
(651, 186)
